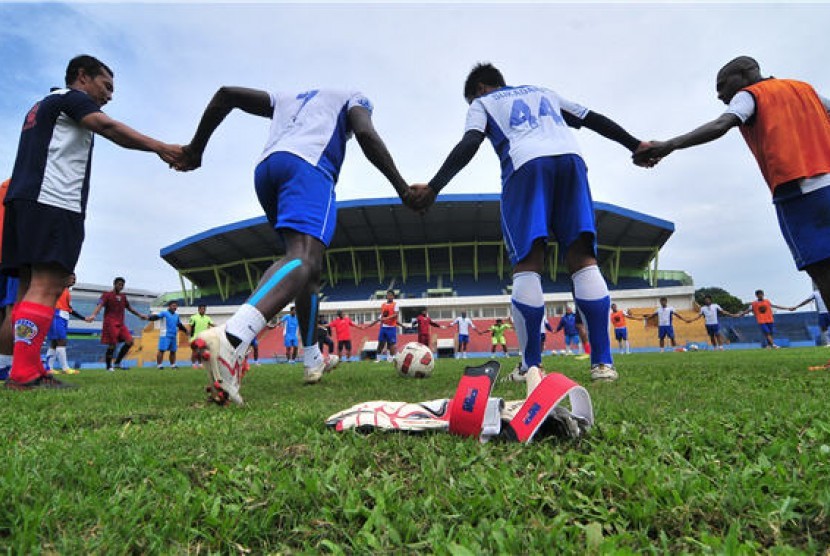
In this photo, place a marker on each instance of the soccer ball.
(414, 361)
(693, 347)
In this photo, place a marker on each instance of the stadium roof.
(634, 236)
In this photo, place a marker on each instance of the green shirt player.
(199, 323)
(497, 330)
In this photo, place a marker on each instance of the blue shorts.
(571, 339)
(663, 331)
(58, 329)
(547, 196)
(388, 334)
(296, 196)
(463, 338)
(804, 220)
(255, 343)
(290, 341)
(168, 343)
(824, 320)
(9, 291)
(621, 333)
(713, 329)
(767, 328)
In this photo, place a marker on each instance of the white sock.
(312, 355)
(245, 324)
(50, 356)
(61, 351)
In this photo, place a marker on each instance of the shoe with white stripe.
(224, 365)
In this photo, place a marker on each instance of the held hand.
(190, 160)
(421, 197)
(171, 154)
(649, 153)
(90, 318)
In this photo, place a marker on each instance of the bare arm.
(123, 135)
(423, 195)
(704, 134)
(360, 120)
(252, 101)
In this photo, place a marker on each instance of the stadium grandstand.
(451, 259)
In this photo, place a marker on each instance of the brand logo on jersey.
(25, 331)
(31, 118)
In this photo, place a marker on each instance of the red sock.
(31, 323)
(588, 349)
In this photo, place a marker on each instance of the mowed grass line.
(692, 452)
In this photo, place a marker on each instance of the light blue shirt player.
(291, 324)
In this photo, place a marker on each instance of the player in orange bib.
(786, 125)
(762, 309)
(618, 320)
(388, 334)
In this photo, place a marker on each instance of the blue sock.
(593, 301)
(528, 321)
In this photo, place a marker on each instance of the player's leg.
(123, 336)
(527, 305)
(40, 287)
(671, 337)
(173, 351)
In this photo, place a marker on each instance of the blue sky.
(651, 67)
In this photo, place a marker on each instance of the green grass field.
(692, 452)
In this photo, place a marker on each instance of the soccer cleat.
(582, 357)
(71, 372)
(223, 363)
(604, 372)
(110, 369)
(518, 375)
(313, 375)
(43, 382)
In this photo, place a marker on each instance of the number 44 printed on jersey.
(521, 114)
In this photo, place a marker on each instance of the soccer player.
(324, 335)
(544, 192)
(170, 340)
(114, 329)
(199, 322)
(620, 324)
(254, 350)
(290, 323)
(785, 124)
(823, 315)
(710, 313)
(58, 330)
(8, 295)
(424, 322)
(497, 329)
(464, 323)
(342, 326)
(388, 333)
(46, 202)
(665, 328)
(568, 326)
(295, 181)
(762, 308)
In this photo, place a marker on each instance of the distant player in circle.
(464, 324)
(665, 314)
(424, 322)
(324, 335)
(620, 324)
(199, 322)
(545, 328)
(762, 308)
(59, 331)
(567, 324)
(169, 342)
(295, 181)
(115, 329)
(388, 333)
(710, 312)
(290, 325)
(342, 326)
(497, 330)
(545, 193)
(785, 124)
